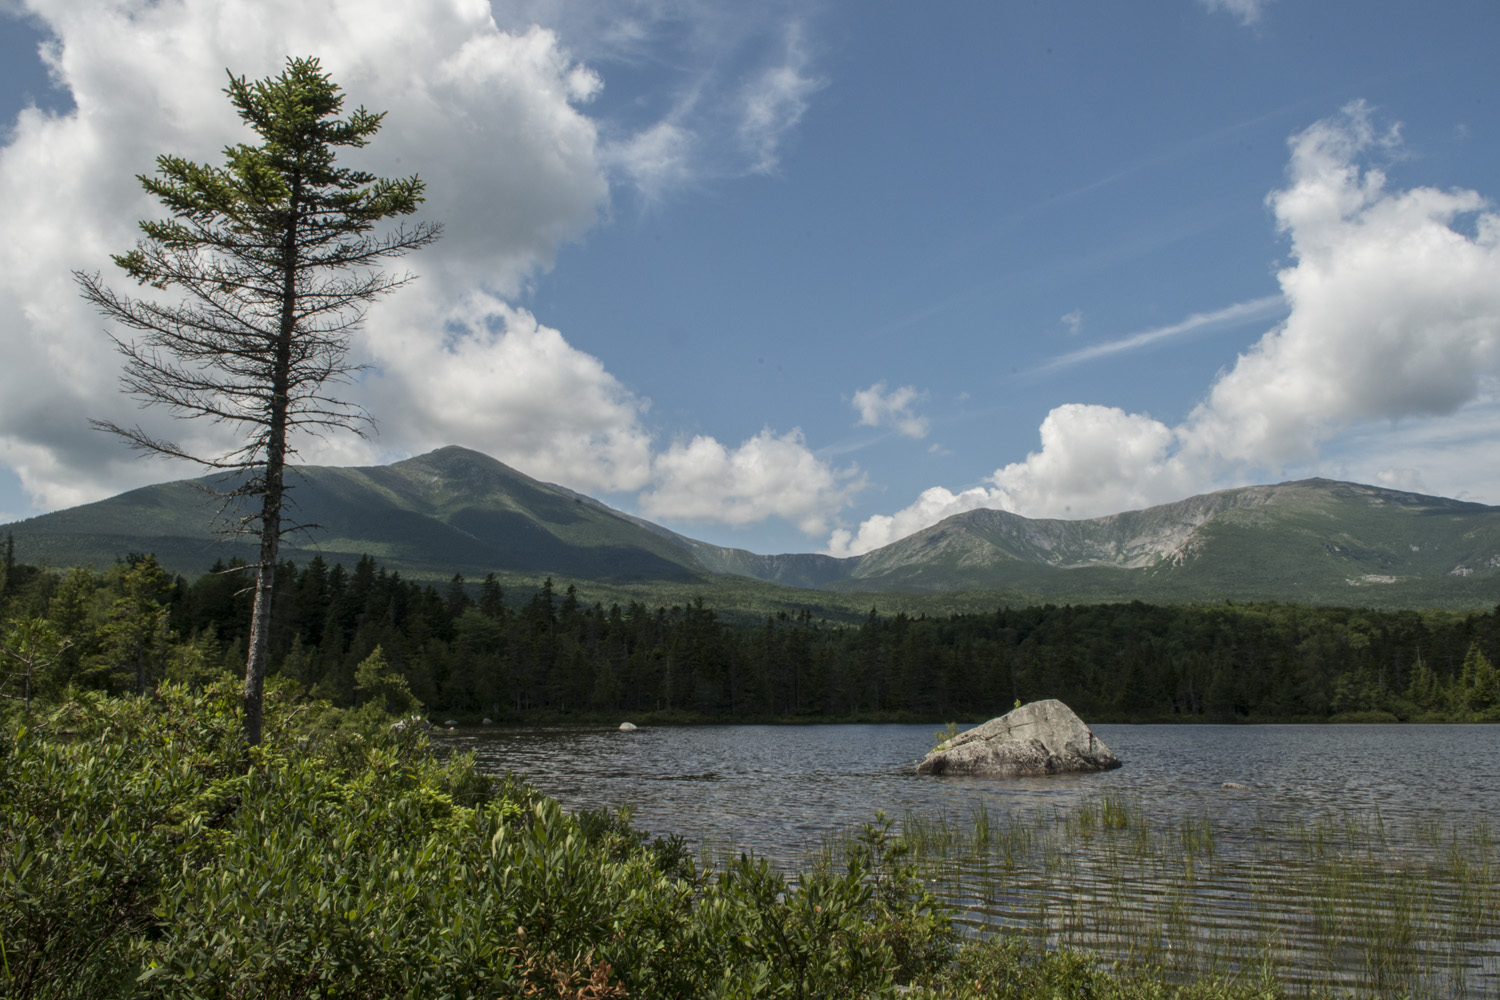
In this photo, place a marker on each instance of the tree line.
(470, 649)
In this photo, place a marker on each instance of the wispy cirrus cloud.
(1248, 11)
(1240, 313)
(742, 79)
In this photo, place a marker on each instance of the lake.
(1333, 842)
(779, 789)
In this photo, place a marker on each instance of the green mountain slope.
(455, 510)
(452, 510)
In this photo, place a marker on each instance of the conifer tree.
(271, 264)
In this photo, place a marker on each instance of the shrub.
(148, 853)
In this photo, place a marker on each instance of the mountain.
(452, 510)
(1312, 540)
(456, 510)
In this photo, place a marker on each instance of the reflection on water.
(1330, 851)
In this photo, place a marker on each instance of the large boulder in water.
(1044, 737)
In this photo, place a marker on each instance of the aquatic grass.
(1335, 902)
(980, 818)
(1115, 813)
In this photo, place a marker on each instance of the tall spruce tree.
(273, 265)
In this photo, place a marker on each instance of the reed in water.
(1336, 903)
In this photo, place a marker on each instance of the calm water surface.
(778, 790)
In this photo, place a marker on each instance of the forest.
(471, 650)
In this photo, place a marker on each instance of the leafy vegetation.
(149, 852)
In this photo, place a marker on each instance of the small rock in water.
(451, 723)
(627, 727)
(1235, 784)
(1044, 737)
(488, 721)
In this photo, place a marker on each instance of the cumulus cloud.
(495, 120)
(879, 407)
(931, 506)
(506, 385)
(1091, 462)
(1394, 299)
(770, 475)
(518, 175)
(1094, 460)
(1073, 321)
(1395, 312)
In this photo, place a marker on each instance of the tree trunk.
(253, 697)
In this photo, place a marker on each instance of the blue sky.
(811, 276)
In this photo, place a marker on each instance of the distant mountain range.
(458, 511)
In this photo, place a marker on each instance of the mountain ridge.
(457, 510)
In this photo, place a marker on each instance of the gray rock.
(627, 727)
(488, 721)
(1044, 737)
(1236, 785)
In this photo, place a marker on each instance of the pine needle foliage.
(270, 263)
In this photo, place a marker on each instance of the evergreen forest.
(472, 650)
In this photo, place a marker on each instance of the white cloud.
(769, 475)
(1073, 321)
(1394, 316)
(657, 159)
(1453, 457)
(1239, 313)
(1248, 11)
(727, 119)
(490, 120)
(494, 120)
(934, 504)
(1094, 460)
(508, 386)
(879, 407)
(773, 103)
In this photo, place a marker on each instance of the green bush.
(148, 853)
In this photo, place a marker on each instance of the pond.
(1351, 855)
